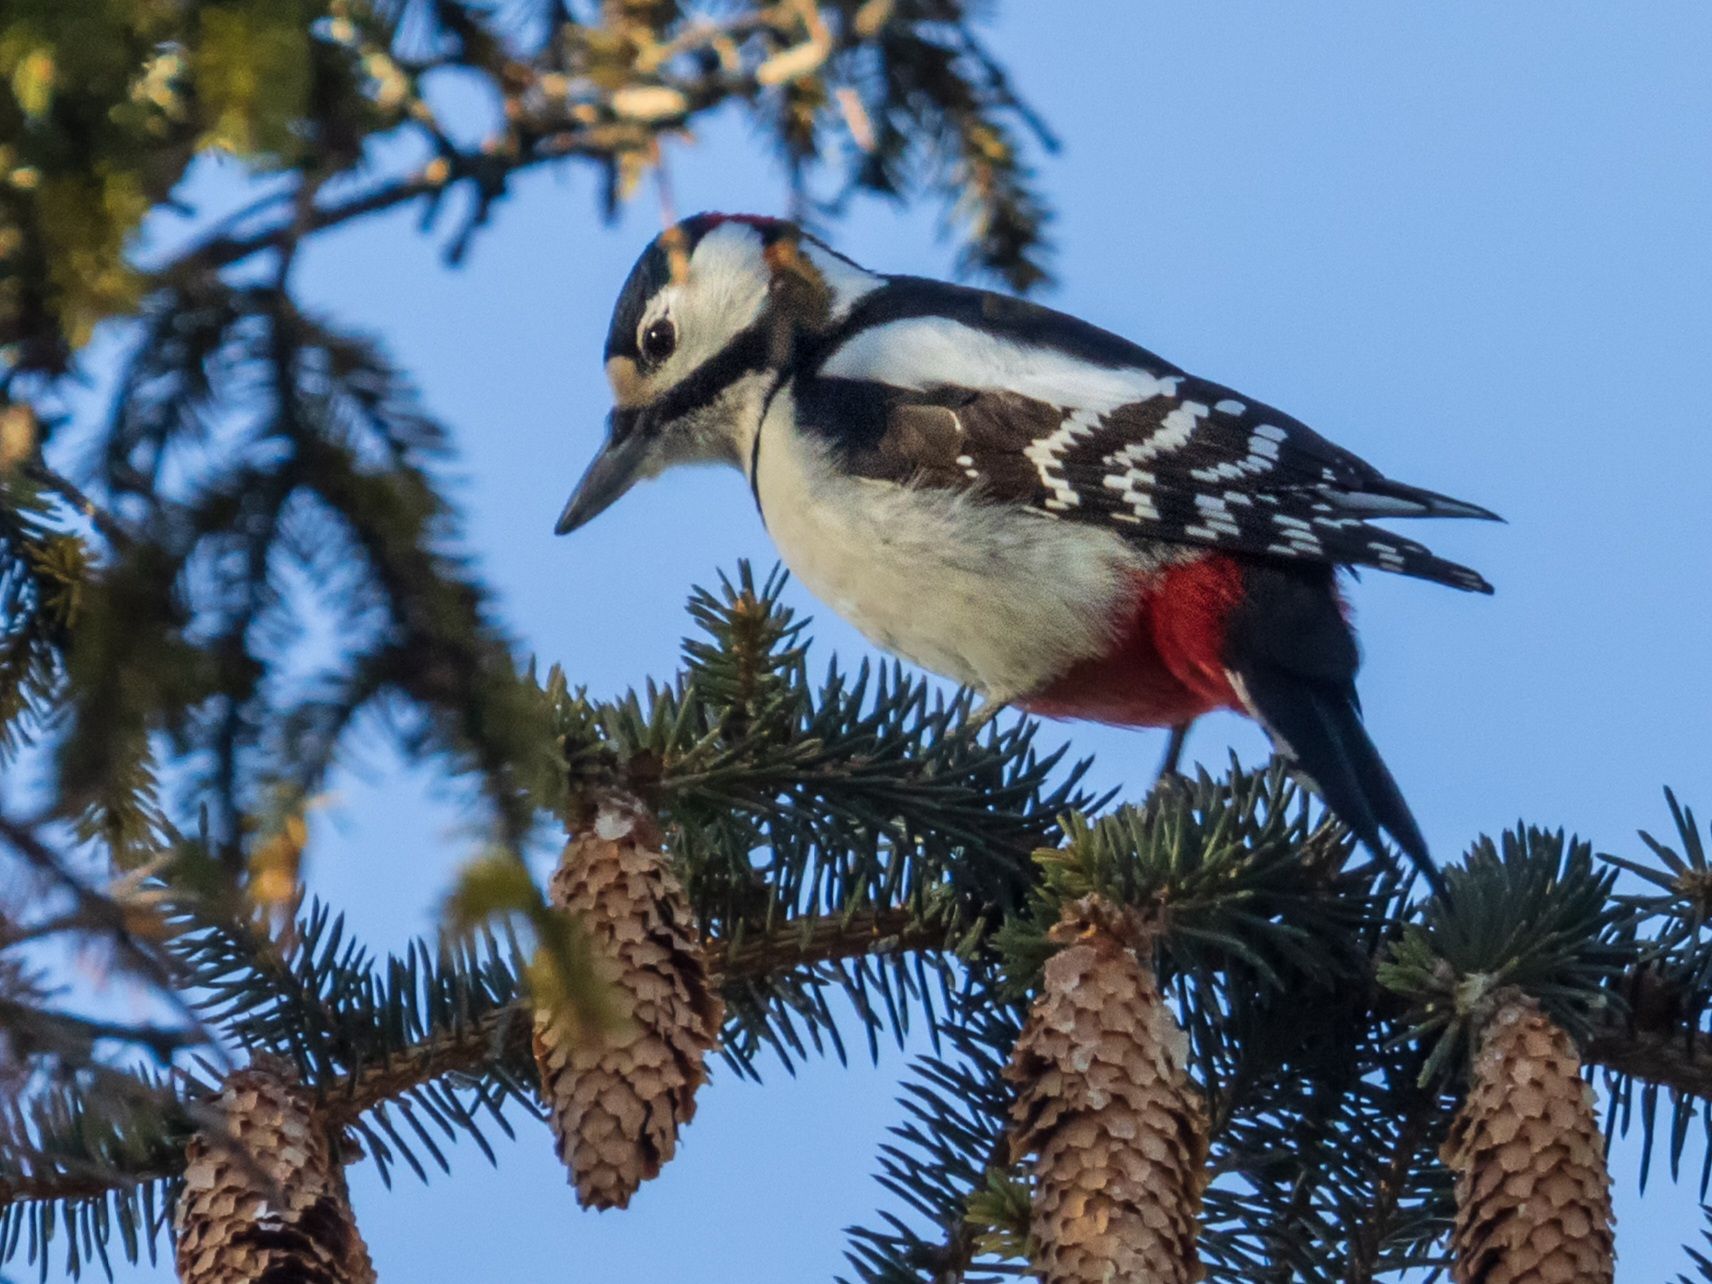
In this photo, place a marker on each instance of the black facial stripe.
(746, 354)
(755, 451)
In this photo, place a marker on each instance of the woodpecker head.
(710, 319)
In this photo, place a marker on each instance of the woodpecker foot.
(990, 708)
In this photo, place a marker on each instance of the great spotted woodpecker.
(1017, 499)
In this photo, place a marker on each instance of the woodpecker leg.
(1169, 778)
(991, 706)
(1174, 750)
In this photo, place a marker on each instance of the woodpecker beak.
(622, 463)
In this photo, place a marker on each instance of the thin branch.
(489, 169)
(1370, 1236)
(103, 521)
(529, 142)
(102, 913)
(498, 1037)
(503, 1036)
(891, 931)
(39, 1029)
(225, 250)
(1668, 1058)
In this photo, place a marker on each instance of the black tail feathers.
(1292, 648)
(1318, 725)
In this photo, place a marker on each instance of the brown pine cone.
(264, 1196)
(618, 1097)
(1533, 1195)
(1104, 1104)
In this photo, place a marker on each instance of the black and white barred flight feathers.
(1110, 434)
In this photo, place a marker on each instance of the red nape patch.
(713, 218)
(1168, 666)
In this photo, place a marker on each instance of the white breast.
(998, 598)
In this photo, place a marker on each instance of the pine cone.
(1533, 1196)
(619, 1097)
(1118, 1132)
(264, 1196)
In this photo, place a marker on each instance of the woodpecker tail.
(1295, 655)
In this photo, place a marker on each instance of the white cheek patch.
(726, 291)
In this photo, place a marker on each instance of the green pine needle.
(1229, 873)
(1530, 912)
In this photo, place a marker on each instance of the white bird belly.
(995, 597)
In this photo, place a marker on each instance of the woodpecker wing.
(1141, 447)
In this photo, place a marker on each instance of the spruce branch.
(108, 920)
(1372, 1250)
(828, 938)
(104, 522)
(97, 1167)
(949, 91)
(1677, 905)
(43, 570)
(72, 1037)
(1529, 912)
(1678, 1061)
(949, 1162)
(499, 1038)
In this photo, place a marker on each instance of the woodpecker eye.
(658, 340)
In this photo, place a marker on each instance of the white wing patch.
(932, 352)
(1177, 461)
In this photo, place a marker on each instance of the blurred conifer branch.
(106, 106)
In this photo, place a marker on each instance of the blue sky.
(1468, 241)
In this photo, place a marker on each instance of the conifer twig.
(894, 930)
(99, 912)
(161, 1040)
(103, 521)
(502, 1036)
(956, 1253)
(1668, 1058)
